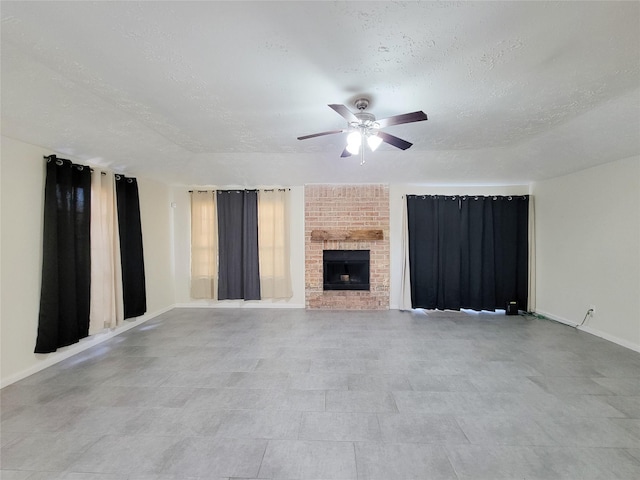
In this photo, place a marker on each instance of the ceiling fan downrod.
(361, 104)
(364, 118)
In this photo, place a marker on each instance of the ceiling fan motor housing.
(365, 118)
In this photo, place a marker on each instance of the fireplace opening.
(345, 269)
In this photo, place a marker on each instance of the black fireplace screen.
(345, 269)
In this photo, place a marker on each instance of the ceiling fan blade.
(313, 135)
(344, 112)
(404, 118)
(395, 141)
(345, 153)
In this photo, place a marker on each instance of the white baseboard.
(555, 318)
(611, 338)
(592, 331)
(84, 344)
(238, 304)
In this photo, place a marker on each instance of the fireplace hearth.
(345, 269)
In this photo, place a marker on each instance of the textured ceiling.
(215, 93)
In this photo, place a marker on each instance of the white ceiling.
(215, 93)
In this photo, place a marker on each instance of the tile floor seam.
(453, 467)
(355, 459)
(262, 458)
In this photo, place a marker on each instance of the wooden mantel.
(346, 235)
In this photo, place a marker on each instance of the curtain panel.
(273, 244)
(66, 260)
(204, 245)
(405, 281)
(468, 252)
(107, 308)
(532, 256)
(434, 251)
(131, 251)
(238, 264)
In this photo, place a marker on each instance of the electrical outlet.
(593, 310)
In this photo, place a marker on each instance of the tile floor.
(292, 394)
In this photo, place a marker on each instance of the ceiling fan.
(363, 126)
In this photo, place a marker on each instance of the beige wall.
(22, 181)
(157, 239)
(22, 194)
(182, 253)
(588, 249)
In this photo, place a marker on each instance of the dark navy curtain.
(468, 252)
(131, 251)
(66, 259)
(238, 265)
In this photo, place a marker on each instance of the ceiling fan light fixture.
(353, 149)
(354, 140)
(374, 141)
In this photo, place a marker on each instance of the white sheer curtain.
(531, 307)
(405, 287)
(107, 310)
(204, 245)
(273, 244)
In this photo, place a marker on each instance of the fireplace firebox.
(345, 269)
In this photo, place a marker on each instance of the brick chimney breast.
(340, 208)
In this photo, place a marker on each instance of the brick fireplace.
(340, 209)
